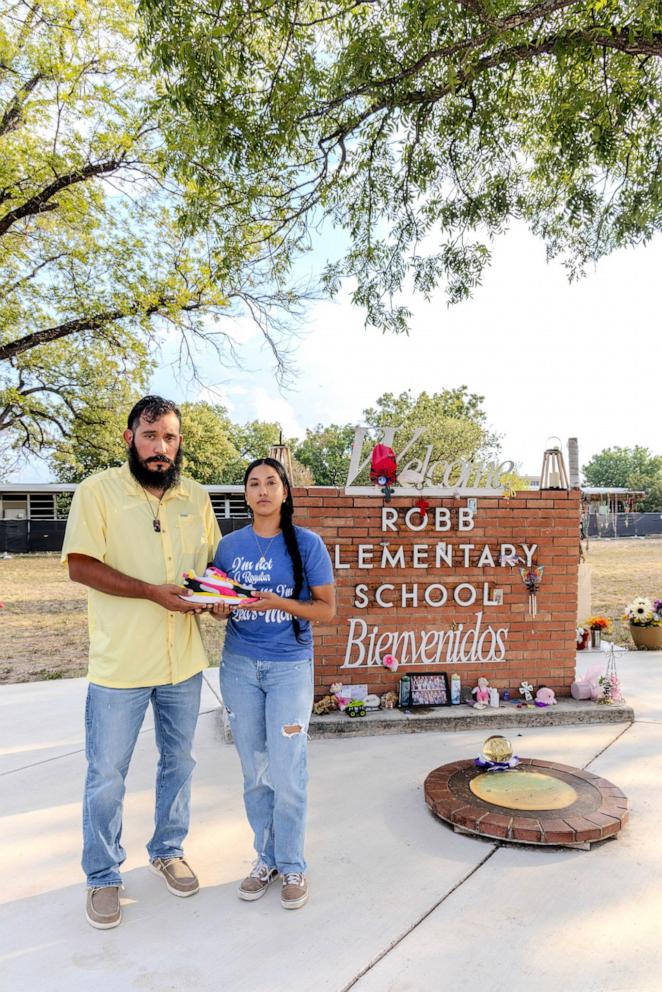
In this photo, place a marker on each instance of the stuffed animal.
(545, 697)
(341, 701)
(481, 693)
(327, 704)
(389, 700)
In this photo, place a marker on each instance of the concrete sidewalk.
(399, 903)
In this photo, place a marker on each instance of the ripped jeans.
(269, 705)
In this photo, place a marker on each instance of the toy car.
(355, 708)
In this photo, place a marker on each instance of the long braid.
(287, 527)
(292, 545)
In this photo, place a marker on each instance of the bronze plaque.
(523, 790)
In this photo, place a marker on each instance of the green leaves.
(216, 450)
(325, 451)
(113, 231)
(630, 468)
(423, 128)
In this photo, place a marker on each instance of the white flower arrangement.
(643, 613)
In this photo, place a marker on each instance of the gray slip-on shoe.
(179, 877)
(102, 908)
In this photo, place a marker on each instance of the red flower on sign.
(383, 469)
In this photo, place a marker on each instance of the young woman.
(267, 672)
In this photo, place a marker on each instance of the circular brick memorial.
(538, 802)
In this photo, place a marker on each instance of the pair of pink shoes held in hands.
(216, 587)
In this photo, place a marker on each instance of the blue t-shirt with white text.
(265, 564)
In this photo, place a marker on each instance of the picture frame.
(430, 690)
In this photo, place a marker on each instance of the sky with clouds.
(551, 358)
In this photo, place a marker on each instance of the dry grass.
(621, 570)
(44, 622)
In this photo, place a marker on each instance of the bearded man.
(131, 533)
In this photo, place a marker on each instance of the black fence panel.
(14, 536)
(228, 524)
(19, 537)
(46, 535)
(625, 525)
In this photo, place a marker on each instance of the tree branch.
(30, 275)
(94, 322)
(621, 40)
(517, 20)
(39, 203)
(524, 52)
(12, 115)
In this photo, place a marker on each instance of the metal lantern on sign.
(553, 474)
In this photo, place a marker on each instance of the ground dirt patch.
(621, 570)
(43, 626)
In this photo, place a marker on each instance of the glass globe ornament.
(497, 748)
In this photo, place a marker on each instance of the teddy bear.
(327, 704)
(388, 700)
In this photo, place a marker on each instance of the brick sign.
(435, 588)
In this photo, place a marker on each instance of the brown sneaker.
(179, 877)
(102, 909)
(256, 884)
(295, 891)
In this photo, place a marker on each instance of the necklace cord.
(156, 517)
(263, 554)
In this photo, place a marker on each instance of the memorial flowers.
(609, 683)
(643, 612)
(583, 636)
(598, 623)
(532, 577)
(610, 689)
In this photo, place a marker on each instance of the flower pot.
(596, 639)
(648, 638)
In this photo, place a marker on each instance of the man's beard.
(154, 478)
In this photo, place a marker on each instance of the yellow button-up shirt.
(134, 642)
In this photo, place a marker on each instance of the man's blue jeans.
(113, 718)
(269, 704)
